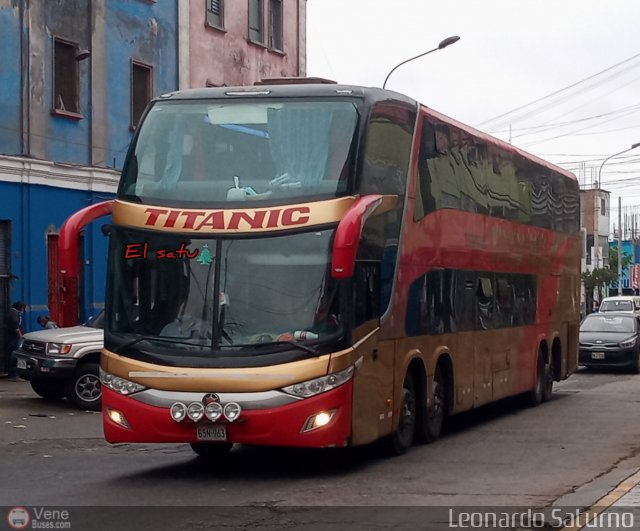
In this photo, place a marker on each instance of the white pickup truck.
(64, 362)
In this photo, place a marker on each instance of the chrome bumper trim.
(248, 401)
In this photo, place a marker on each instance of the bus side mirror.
(349, 231)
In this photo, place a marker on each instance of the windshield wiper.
(138, 339)
(292, 342)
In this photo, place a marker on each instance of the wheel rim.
(88, 388)
(407, 414)
(436, 410)
(549, 375)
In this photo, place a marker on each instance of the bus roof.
(290, 91)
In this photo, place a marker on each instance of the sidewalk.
(618, 509)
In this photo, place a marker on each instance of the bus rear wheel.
(544, 383)
(434, 413)
(211, 451)
(401, 440)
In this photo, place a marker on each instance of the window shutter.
(214, 7)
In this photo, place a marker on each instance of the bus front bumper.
(126, 419)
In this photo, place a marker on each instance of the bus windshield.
(274, 291)
(213, 151)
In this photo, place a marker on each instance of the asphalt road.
(568, 452)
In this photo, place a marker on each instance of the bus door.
(373, 382)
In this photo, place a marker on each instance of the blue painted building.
(75, 78)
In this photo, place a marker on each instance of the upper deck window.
(211, 151)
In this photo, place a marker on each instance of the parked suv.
(64, 362)
(621, 303)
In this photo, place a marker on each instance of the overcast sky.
(510, 54)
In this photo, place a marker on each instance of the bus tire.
(436, 411)
(402, 438)
(48, 389)
(535, 397)
(547, 388)
(211, 451)
(83, 388)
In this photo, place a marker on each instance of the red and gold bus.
(321, 265)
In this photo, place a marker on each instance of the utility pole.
(619, 245)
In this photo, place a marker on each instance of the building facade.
(75, 79)
(594, 222)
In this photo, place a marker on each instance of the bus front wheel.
(401, 440)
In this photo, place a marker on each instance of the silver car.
(64, 362)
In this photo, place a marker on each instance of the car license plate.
(22, 364)
(597, 355)
(212, 433)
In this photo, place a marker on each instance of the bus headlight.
(213, 411)
(119, 385)
(195, 411)
(318, 420)
(320, 385)
(178, 411)
(231, 411)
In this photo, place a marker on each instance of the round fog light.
(213, 411)
(322, 419)
(178, 411)
(195, 411)
(232, 411)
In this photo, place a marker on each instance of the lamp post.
(443, 44)
(633, 146)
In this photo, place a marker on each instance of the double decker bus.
(322, 265)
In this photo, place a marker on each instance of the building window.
(66, 81)
(256, 24)
(275, 25)
(603, 206)
(141, 90)
(215, 13)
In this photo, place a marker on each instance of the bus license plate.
(212, 433)
(597, 355)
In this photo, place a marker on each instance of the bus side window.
(525, 300)
(504, 301)
(485, 303)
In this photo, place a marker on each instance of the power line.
(560, 91)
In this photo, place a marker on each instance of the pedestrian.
(15, 330)
(46, 322)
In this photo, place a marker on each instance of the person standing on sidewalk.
(15, 331)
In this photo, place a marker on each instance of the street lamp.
(446, 42)
(633, 146)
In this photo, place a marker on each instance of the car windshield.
(269, 291)
(616, 306)
(601, 323)
(213, 151)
